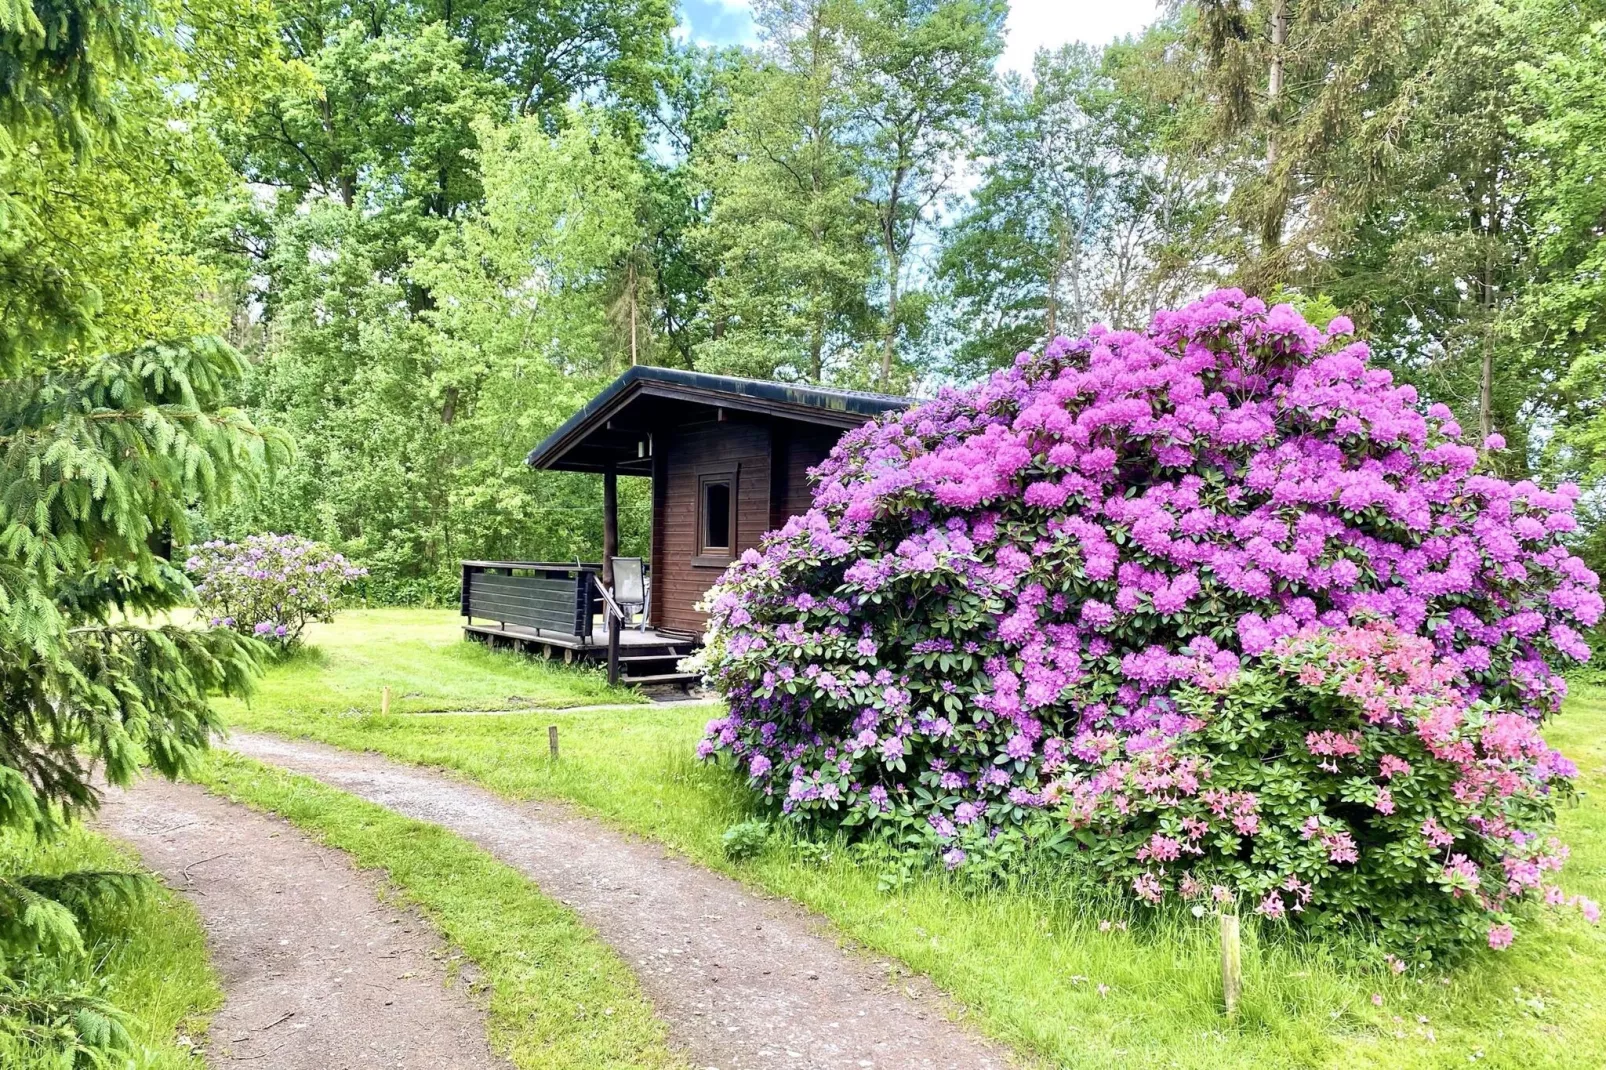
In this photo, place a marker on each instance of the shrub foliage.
(1217, 602)
(269, 586)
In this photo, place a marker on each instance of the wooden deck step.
(673, 656)
(663, 678)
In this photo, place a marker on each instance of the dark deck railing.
(546, 595)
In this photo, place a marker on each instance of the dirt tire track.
(318, 973)
(744, 982)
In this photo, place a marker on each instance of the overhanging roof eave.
(803, 403)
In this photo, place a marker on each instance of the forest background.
(434, 228)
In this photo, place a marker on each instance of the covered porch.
(550, 609)
(728, 458)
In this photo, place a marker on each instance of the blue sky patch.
(717, 22)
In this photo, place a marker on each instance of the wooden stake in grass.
(552, 740)
(384, 702)
(1232, 964)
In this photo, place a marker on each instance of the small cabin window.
(716, 518)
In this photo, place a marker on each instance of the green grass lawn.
(1034, 964)
(421, 656)
(147, 958)
(560, 999)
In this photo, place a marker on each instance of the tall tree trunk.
(631, 283)
(1486, 372)
(1272, 223)
(1054, 283)
(337, 160)
(1080, 313)
(1486, 384)
(888, 340)
(1274, 80)
(889, 242)
(817, 346)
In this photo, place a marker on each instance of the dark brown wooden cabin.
(728, 459)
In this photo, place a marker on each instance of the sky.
(1032, 24)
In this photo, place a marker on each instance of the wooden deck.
(596, 644)
(645, 657)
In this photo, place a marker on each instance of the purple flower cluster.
(1039, 563)
(268, 586)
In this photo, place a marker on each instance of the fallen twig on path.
(191, 880)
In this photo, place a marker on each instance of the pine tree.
(1306, 97)
(101, 466)
(104, 459)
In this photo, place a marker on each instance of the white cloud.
(1035, 24)
(716, 22)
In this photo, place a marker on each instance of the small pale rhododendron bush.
(269, 586)
(1217, 605)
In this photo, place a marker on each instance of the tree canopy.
(433, 229)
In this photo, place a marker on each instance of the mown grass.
(146, 957)
(1032, 962)
(421, 656)
(559, 999)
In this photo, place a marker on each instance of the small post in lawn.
(552, 740)
(1232, 964)
(384, 702)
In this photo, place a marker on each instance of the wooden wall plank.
(690, 450)
(798, 449)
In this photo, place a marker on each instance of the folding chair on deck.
(630, 587)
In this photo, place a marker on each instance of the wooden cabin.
(728, 459)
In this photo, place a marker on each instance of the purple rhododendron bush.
(1217, 607)
(269, 586)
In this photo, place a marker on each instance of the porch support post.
(610, 550)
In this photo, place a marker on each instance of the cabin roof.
(615, 425)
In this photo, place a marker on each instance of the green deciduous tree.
(526, 327)
(789, 230)
(1560, 316)
(383, 257)
(414, 417)
(697, 91)
(101, 252)
(1088, 208)
(921, 80)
